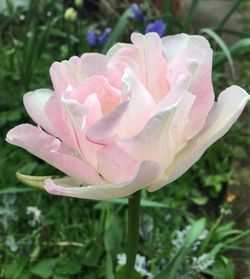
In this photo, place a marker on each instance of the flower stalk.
(133, 233)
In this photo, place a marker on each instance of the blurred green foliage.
(81, 238)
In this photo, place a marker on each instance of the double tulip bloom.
(137, 117)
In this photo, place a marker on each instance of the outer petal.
(51, 150)
(147, 173)
(173, 45)
(225, 112)
(35, 103)
(147, 61)
(192, 55)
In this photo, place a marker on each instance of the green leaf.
(199, 200)
(189, 18)
(174, 264)
(33, 181)
(44, 268)
(229, 14)
(240, 46)
(118, 30)
(15, 190)
(112, 240)
(167, 15)
(68, 267)
(144, 203)
(222, 45)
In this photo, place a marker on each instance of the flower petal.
(115, 164)
(225, 112)
(59, 121)
(73, 71)
(140, 108)
(51, 150)
(192, 55)
(147, 173)
(173, 45)
(108, 95)
(155, 142)
(105, 130)
(35, 103)
(80, 117)
(147, 61)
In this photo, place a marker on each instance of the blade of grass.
(118, 30)
(229, 14)
(189, 17)
(242, 45)
(223, 46)
(174, 264)
(167, 15)
(15, 190)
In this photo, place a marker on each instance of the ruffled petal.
(71, 72)
(140, 108)
(59, 120)
(108, 95)
(51, 150)
(155, 142)
(35, 103)
(192, 55)
(80, 117)
(146, 59)
(225, 112)
(105, 130)
(147, 173)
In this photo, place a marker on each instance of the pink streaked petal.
(80, 117)
(225, 112)
(108, 95)
(60, 123)
(155, 142)
(147, 61)
(180, 128)
(140, 109)
(115, 164)
(147, 173)
(105, 130)
(35, 103)
(51, 150)
(76, 69)
(174, 44)
(192, 55)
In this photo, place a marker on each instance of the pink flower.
(138, 117)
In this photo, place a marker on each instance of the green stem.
(133, 234)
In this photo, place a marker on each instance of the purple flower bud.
(158, 26)
(91, 38)
(102, 39)
(137, 12)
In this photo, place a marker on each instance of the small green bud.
(78, 3)
(70, 14)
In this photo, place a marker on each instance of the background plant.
(76, 237)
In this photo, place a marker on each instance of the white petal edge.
(147, 173)
(223, 115)
(35, 102)
(173, 44)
